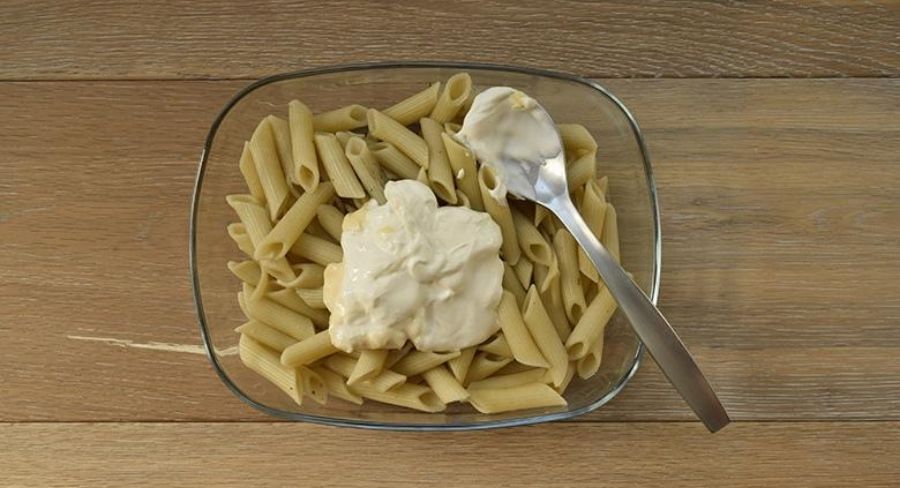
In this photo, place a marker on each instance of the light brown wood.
(564, 455)
(780, 222)
(150, 40)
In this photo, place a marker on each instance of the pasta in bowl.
(295, 154)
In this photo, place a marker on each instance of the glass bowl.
(622, 156)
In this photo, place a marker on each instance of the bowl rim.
(412, 426)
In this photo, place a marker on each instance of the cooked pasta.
(304, 172)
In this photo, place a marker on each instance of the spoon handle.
(653, 329)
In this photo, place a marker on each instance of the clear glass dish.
(622, 156)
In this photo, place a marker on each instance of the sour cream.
(413, 270)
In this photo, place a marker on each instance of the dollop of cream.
(510, 132)
(413, 270)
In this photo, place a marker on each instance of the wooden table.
(775, 135)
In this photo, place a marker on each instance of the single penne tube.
(303, 148)
(288, 298)
(336, 385)
(459, 365)
(524, 269)
(278, 316)
(413, 108)
(541, 327)
(452, 98)
(569, 275)
(484, 365)
(286, 232)
(268, 168)
(308, 350)
(416, 362)
(577, 140)
(498, 346)
(590, 363)
(238, 233)
(370, 363)
(497, 400)
(531, 375)
(253, 215)
(580, 170)
(386, 379)
(268, 336)
(498, 208)
(570, 374)
(556, 309)
(445, 385)
(389, 130)
(366, 167)
(339, 171)
(593, 210)
(439, 172)
(532, 243)
(312, 296)
(266, 363)
(317, 250)
(282, 132)
(462, 164)
(309, 275)
(331, 219)
(395, 161)
(610, 237)
(248, 169)
(344, 118)
(344, 137)
(313, 385)
(416, 397)
(512, 284)
(341, 363)
(520, 341)
(248, 271)
(590, 328)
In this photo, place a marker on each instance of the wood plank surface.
(104, 39)
(781, 225)
(564, 455)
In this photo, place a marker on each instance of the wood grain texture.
(781, 225)
(106, 39)
(563, 455)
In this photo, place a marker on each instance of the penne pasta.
(445, 385)
(498, 347)
(531, 242)
(462, 165)
(389, 130)
(577, 140)
(530, 375)
(569, 275)
(459, 365)
(452, 128)
(248, 169)
(366, 167)
(268, 336)
(590, 328)
(497, 400)
(484, 365)
(331, 219)
(520, 341)
(303, 148)
(439, 173)
(309, 275)
(413, 108)
(590, 363)
(264, 362)
(317, 250)
(308, 350)
(344, 118)
(238, 233)
(337, 167)
(336, 386)
(553, 303)
(545, 336)
(288, 298)
(395, 161)
(286, 232)
(593, 210)
(268, 168)
(282, 133)
(253, 215)
(417, 362)
(511, 284)
(498, 208)
(610, 237)
(523, 270)
(311, 296)
(370, 363)
(580, 170)
(246, 271)
(416, 397)
(276, 315)
(452, 97)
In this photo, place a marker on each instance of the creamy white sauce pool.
(510, 132)
(413, 270)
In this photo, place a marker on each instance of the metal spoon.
(547, 186)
